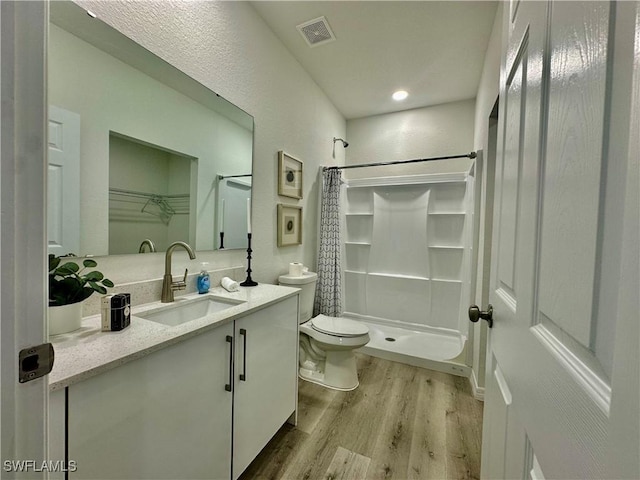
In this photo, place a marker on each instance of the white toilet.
(326, 343)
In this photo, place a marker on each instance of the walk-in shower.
(407, 265)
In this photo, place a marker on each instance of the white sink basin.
(183, 311)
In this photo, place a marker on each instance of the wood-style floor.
(402, 422)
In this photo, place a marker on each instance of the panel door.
(266, 378)
(562, 211)
(63, 212)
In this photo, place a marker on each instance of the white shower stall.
(408, 263)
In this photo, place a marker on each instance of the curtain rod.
(398, 162)
(222, 177)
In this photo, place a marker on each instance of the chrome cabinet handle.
(227, 386)
(243, 375)
(476, 314)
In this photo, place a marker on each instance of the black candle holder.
(221, 240)
(249, 282)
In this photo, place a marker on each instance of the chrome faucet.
(168, 285)
(147, 243)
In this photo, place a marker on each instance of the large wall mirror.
(140, 154)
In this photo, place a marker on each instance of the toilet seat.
(338, 326)
(331, 340)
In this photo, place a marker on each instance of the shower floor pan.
(433, 350)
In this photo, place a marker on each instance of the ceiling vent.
(316, 32)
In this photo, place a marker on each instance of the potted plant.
(69, 286)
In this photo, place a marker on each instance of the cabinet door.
(166, 415)
(56, 434)
(266, 378)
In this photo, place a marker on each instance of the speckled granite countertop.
(89, 351)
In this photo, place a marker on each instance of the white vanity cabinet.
(177, 412)
(164, 416)
(266, 370)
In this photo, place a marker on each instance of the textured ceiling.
(432, 49)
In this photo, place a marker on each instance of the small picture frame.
(289, 225)
(289, 176)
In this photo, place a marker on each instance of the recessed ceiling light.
(400, 95)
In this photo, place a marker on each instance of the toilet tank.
(307, 283)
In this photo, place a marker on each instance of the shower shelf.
(359, 214)
(366, 244)
(446, 213)
(358, 272)
(396, 275)
(447, 247)
(444, 280)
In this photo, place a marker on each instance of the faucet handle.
(180, 284)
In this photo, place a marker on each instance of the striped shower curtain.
(328, 299)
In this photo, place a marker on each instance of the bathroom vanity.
(195, 400)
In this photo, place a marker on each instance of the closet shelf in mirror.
(163, 206)
(447, 247)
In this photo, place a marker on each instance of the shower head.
(344, 143)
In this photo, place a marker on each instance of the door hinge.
(35, 362)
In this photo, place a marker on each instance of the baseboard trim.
(478, 392)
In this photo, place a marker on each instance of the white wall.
(227, 47)
(423, 132)
(489, 82)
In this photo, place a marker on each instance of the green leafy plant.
(69, 284)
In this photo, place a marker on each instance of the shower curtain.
(328, 299)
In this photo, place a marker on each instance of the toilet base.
(338, 371)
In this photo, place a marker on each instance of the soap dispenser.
(203, 279)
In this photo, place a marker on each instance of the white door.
(232, 214)
(23, 30)
(63, 223)
(562, 366)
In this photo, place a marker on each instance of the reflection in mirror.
(234, 194)
(149, 188)
(137, 148)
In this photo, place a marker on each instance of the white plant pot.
(65, 318)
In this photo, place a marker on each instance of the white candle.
(248, 215)
(222, 217)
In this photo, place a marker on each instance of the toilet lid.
(338, 326)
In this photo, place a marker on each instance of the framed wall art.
(289, 176)
(289, 225)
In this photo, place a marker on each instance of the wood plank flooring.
(401, 423)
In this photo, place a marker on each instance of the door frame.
(485, 184)
(624, 144)
(23, 246)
